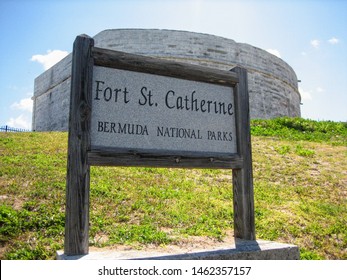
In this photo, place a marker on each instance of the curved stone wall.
(272, 83)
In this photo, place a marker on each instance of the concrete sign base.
(240, 250)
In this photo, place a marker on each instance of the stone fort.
(272, 83)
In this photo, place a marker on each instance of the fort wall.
(272, 83)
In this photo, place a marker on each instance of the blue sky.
(311, 36)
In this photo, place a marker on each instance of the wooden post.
(77, 182)
(243, 196)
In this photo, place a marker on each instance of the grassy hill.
(300, 184)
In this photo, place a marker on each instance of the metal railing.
(6, 128)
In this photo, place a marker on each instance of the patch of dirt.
(17, 204)
(183, 245)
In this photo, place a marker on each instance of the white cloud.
(20, 122)
(308, 94)
(274, 52)
(49, 59)
(315, 43)
(25, 104)
(319, 89)
(333, 41)
(24, 119)
(305, 95)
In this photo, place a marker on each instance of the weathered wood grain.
(243, 196)
(152, 159)
(138, 63)
(77, 182)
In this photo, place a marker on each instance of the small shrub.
(282, 150)
(301, 151)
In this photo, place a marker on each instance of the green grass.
(296, 129)
(300, 186)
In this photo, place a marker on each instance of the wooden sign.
(130, 110)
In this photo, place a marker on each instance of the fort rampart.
(272, 83)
